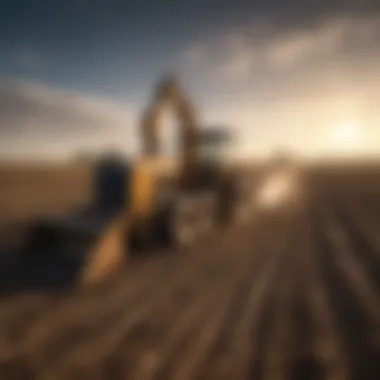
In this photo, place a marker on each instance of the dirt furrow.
(328, 346)
(364, 224)
(177, 325)
(353, 273)
(207, 339)
(353, 323)
(94, 346)
(281, 337)
(230, 359)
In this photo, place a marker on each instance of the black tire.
(207, 213)
(189, 219)
(184, 222)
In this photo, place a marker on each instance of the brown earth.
(292, 295)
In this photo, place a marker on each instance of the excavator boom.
(170, 93)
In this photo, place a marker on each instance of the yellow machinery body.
(147, 179)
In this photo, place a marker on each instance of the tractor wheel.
(192, 218)
(184, 222)
(207, 214)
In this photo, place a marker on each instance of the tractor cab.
(111, 183)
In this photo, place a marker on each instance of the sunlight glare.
(347, 137)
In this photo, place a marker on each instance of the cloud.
(261, 47)
(231, 56)
(329, 39)
(296, 47)
(36, 118)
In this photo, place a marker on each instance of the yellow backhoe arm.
(170, 93)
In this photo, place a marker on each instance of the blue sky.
(75, 74)
(114, 47)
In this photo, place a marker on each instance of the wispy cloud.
(36, 118)
(240, 54)
(296, 47)
(231, 56)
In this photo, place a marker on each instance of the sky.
(75, 75)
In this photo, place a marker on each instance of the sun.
(347, 137)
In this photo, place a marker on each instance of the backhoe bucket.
(96, 244)
(108, 254)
